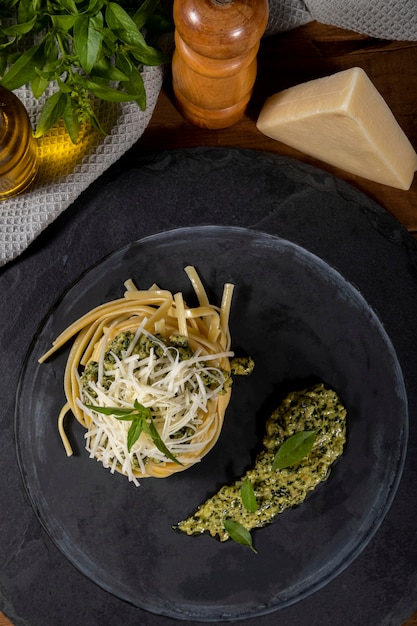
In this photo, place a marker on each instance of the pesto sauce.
(317, 408)
(239, 366)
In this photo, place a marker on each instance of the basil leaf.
(144, 12)
(63, 22)
(26, 10)
(20, 29)
(24, 69)
(238, 533)
(52, 111)
(38, 85)
(247, 494)
(121, 23)
(51, 50)
(87, 40)
(71, 119)
(294, 449)
(112, 410)
(108, 93)
(134, 433)
(147, 55)
(152, 431)
(95, 122)
(136, 85)
(144, 410)
(126, 30)
(94, 7)
(6, 43)
(104, 69)
(69, 5)
(64, 87)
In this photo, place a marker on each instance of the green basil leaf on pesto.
(238, 533)
(294, 449)
(247, 494)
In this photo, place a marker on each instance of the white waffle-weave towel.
(383, 19)
(67, 169)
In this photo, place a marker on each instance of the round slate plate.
(299, 319)
(144, 195)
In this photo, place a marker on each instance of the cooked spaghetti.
(149, 349)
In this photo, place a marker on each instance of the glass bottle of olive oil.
(18, 150)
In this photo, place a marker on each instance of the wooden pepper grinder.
(214, 63)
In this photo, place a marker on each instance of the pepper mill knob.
(214, 63)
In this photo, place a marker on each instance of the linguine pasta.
(149, 347)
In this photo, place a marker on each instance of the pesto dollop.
(317, 408)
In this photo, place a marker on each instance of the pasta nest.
(182, 377)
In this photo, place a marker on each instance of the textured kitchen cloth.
(384, 19)
(66, 170)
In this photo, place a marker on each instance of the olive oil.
(18, 149)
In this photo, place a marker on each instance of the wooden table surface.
(290, 58)
(306, 53)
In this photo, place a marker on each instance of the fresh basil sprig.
(84, 48)
(294, 449)
(238, 533)
(142, 421)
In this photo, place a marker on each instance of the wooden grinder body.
(214, 63)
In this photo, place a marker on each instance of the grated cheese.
(172, 388)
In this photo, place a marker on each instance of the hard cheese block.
(344, 121)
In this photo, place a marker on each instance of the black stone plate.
(376, 257)
(299, 319)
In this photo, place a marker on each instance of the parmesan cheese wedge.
(344, 121)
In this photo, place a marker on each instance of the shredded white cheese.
(172, 388)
